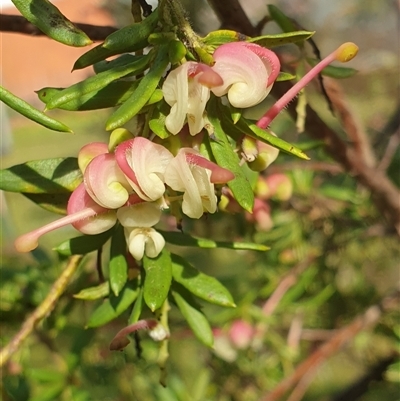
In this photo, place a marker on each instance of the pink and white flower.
(187, 90)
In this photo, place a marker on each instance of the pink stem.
(29, 241)
(265, 121)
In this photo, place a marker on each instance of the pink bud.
(241, 333)
(281, 187)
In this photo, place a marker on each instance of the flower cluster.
(129, 185)
(243, 71)
(132, 183)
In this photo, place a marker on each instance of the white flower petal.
(143, 214)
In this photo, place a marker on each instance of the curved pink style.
(80, 211)
(343, 53)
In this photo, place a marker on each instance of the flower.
(195, 176)
(187, 90)
(248, 71)
(144, 162)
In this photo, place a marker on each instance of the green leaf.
(157, 279)
(137, 308)
(281, 38)
(284, 22)
(252, 130)
(30, 112)
(203, 286)
(195, 318)
(112, 95)
(97, 82)
(218, 38)
(142, 94)
(92, 293)
(332, 71)
(49, 20)
(112, 307)
(118, 267)
(157, 120)
(83, 244)
(227, 158)
(48, 176)
(285, 76)
(180, 239)
(134, 36)
(55, 203)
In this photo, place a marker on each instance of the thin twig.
(331, 347)
(42, 310)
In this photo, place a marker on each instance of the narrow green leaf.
(252, 130)
(157, 280)
(105, 65)
(84, 244)
(142, 94)
(137, 308)
(333, 71)
(196, 320)
(281, 38)
(284, 22)
(112, 95)
(112, 307)
(157, 120)
(55, 203)
(285, 76)
(97, 82)
(49, 176)
(218, 38)
(134, 36)
(92, 293)
(227, 158)
(180, 239)
(118, 267)
(30, 112)
(49, 19)
(203, 286)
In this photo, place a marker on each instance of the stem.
(163, 355)
(42, 310)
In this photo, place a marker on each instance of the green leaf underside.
(30, 112)
(49, 19)
(157, 280)
(180, 239)
(195, 318)
(157, 120)
(92, 293)
(118, 266)
(227, 158)
(48, 176)
(281, 38)
(112, 307)
(333, 71)
(83, 244)
(199, 284)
